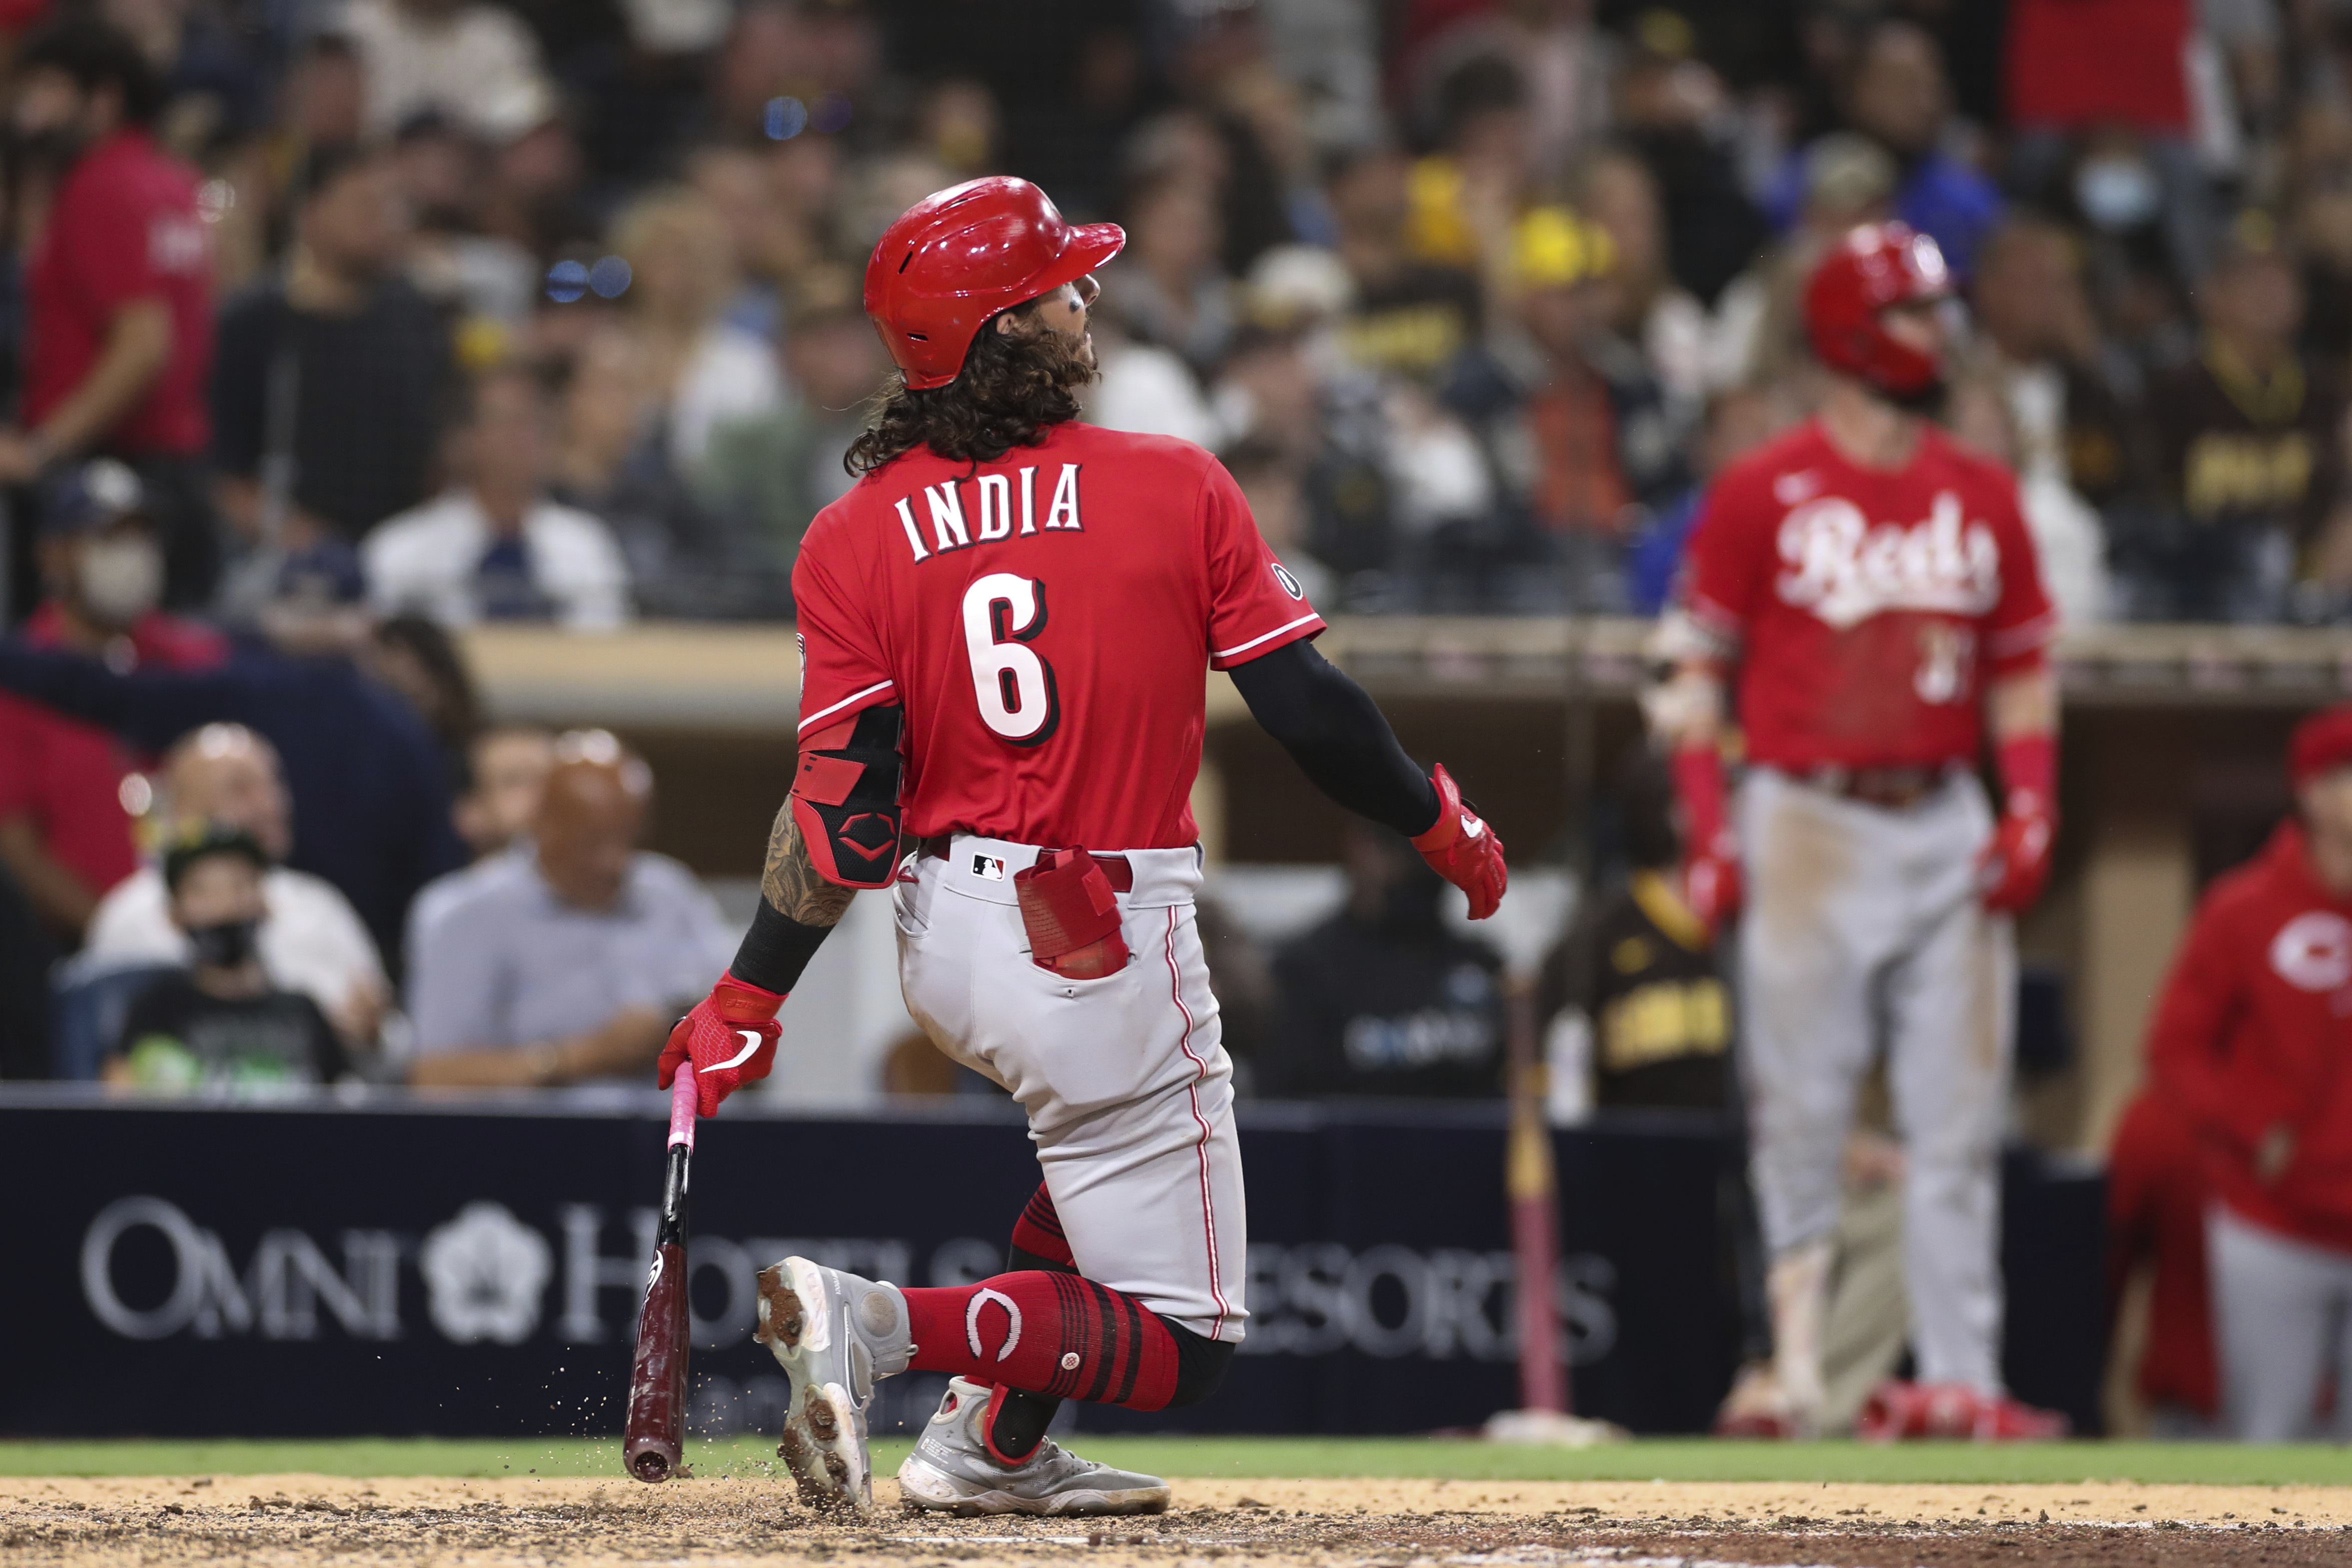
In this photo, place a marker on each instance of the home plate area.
(298, 1520)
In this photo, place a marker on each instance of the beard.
(1925, 401)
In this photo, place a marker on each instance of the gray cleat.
(833, 1333)
(951, 1472)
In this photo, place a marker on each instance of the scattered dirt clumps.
(298, 1522)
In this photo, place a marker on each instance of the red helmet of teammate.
(960, 256)
(1874, 268)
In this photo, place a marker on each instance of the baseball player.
(1860, 595)
(1007, 625)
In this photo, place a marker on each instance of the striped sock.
(1056, 1334)
(1038, 1231)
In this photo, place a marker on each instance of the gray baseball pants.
(2282, 1311)
(1126, 1080)
(1863, 929)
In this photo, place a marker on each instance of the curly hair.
(1013, 388)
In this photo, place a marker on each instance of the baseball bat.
(656, 1423)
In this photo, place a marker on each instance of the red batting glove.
(1463, 848)
(1710, 876)
(2011, 868)
(730, 1038)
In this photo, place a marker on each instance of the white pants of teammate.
(1861, 927)
(1126, 1080)
(2281, 1311)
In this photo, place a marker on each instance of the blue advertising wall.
(403, 1267)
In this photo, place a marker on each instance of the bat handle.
(683, 1103)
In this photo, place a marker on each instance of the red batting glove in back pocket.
(1071, 914)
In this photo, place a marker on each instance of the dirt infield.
(297, 1521)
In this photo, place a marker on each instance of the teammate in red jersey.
(1006, 629)
(1864, 593)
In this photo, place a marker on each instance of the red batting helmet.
(1875, 266)
(958, 257)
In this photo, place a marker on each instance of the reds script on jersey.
(1869, 602)
(1045, 620)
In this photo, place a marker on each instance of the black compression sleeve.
(776, 949)
(1338, 736)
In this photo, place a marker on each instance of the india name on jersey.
(1047, 620)
(1866, 606)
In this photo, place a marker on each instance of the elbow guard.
(845, 798)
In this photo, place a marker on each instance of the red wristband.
(2029, 774)
(1697, 770)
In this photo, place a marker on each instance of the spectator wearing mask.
(475, 65)
(773, 472)
(335, 368)
(310, 938)
(118, 290)
(1899, 97)
(572, 963)
(1382, 1000)
(66, 827)
(221, 1023)
(2248, 1045)
(2250, 455)
(2118, 73)
(497, 547)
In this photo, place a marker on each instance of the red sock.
(1038, 1231)
(1058, 1334)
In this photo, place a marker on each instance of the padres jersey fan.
(1007, 626)
(1868, 592)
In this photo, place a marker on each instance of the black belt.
(1115, 869)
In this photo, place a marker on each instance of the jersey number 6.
(1001, 614)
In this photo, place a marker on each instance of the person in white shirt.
(477, 66)
(495, 548)
(311, 940)
(566, 960)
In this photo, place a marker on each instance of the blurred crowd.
(537, 311)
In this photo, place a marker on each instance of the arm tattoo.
(791, 882)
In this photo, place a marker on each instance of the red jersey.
(124, 227)
(2074, 64)
(1865, 605)
(2254, 1031)
(1047, 621)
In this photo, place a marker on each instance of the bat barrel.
(656, 1421)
